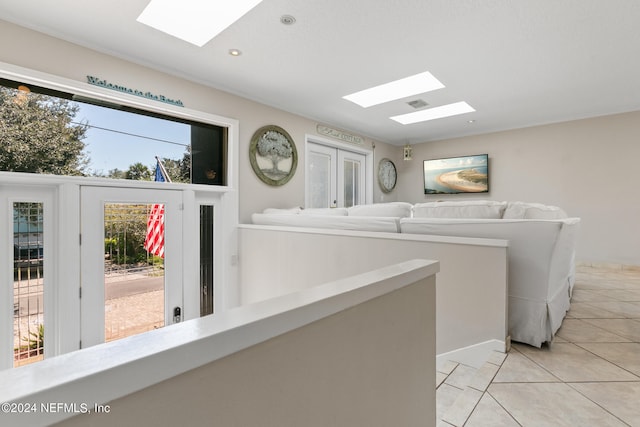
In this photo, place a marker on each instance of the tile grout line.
(609, 361)
(485, 390)
(573, 385)
(596, 403)
(504, 409)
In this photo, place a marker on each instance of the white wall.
(471, 297)
(587, 167)
(38, 52)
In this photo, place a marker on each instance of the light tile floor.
(589, 376)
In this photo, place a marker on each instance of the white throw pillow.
(544, 212)
(391, 209)
(514, 210)
(523, 210)
(479, 209)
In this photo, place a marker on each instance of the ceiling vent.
(418, 103)
(287, 20)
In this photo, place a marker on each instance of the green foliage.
(37, 134)
(179, 170)
(138, 172)
(117, 174)
(35, 340)
(126, 226)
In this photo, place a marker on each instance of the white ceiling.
(517, 62)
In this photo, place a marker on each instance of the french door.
(131, 261)
(335, 177)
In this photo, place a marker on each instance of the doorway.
(336, 176)
(131, 262)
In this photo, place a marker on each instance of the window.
(48, 131)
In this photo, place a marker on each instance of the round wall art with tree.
(273, 155)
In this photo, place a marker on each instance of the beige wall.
(38, 52)
(587, 167)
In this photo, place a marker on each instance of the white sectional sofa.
(541, 254)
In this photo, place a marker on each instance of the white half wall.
(358, 351)
(471, 295)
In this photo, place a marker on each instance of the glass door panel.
(133, 272)
(28, 282)
(321, 175)
(131, 262)
(335, 177)
(351, 188)
(351, 178)
(206, 260)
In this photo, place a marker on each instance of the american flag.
(154, 240)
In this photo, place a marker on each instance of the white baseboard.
(474, 355)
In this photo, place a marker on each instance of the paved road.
(116, 289)
(125, 288)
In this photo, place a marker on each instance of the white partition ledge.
(105, 372)
(456, 240)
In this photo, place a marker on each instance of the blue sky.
(110, 150)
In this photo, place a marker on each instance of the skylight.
(434, 113)
(408, 86)
(194, 21)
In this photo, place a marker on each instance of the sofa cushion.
(480, 209)
(325, 211)
(393, 209)
(522, 210)
(278, 211)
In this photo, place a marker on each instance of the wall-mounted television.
(454, 175)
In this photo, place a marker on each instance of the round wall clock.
(387, 175)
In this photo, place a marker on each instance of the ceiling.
(519, 63)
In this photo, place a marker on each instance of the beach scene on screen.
(467, 174)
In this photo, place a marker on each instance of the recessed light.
(235, 52)
(408, 86)
(194, 21)
(434, 113)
